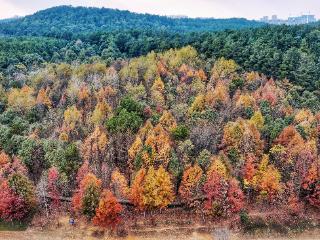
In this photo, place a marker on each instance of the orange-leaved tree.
(137, 189)
(190, 187)
(108, 211)
(311, 185)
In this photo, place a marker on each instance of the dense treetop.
(291, 52)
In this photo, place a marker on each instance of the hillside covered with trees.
(70, 22)
(153, 131)
(222, 125)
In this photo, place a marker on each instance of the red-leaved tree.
(235, 198)
(12, 206)
(215, 190)
(53, 188)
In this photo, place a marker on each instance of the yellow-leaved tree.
(267, 179)
(218, 166)
(21, 98)
(198, 104)
(224, 69)
(99, 114)
(167, 121)
(157, 189)
(157, 93)
(72, 117)
(258, 120)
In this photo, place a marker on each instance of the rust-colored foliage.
(83, 94)
(43, 98)
(249, 171)
(235, 197)
(4, 158)
(222, 196)
(289, 137)
(294, 205)
(201, 131)
(9, 166)
(17, 197)
(269, 92)
(108, 211)
(311, 185)
(190, 187)
(136, 194)
(215, 190)
(293, 143)
(82, 172)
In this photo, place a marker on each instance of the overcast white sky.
(251, 9)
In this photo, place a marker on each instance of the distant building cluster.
(303, 19)
(177, 16)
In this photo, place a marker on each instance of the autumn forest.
(192, 126)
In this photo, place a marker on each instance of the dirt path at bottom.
(79, 235)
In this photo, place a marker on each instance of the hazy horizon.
(250, 9)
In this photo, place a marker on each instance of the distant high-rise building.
(303, 19)
(177, 16)
(310, 18)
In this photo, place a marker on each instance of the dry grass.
(168, 225)
(79, 235)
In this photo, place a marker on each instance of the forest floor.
(169, 225)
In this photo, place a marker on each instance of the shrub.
(181, 133)
(128, 116)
